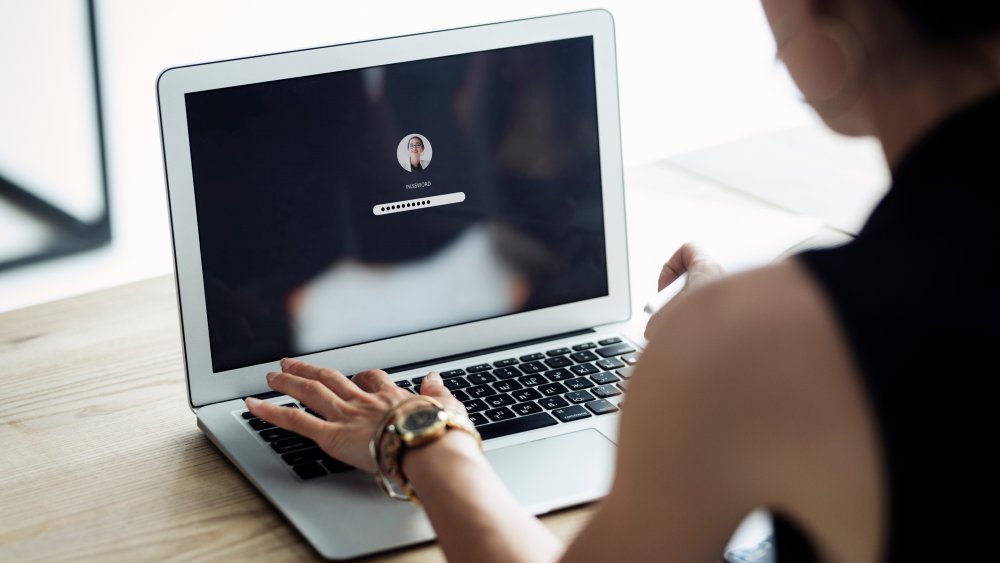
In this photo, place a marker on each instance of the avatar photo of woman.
(414, 153)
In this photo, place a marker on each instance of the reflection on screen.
(329, 210)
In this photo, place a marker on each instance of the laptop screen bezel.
(204, 385)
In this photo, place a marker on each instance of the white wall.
(691, 74)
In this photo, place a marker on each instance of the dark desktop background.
(286, 174)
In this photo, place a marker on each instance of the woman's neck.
(906, 101)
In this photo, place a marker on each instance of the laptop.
(447, 201)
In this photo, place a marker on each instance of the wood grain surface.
(101, 456)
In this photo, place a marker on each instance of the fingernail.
(283, 362)
(252, 403)
(270, 377)
(435, 376)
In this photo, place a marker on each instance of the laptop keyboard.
(503, 397)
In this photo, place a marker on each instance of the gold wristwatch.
(412, 423)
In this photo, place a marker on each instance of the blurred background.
(691, 75)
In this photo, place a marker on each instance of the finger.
(689, 258)
(336, 381)
(703, 271)
(309, 391)
(676, 265)
(433, 386)
(372, 380)
(654, 322)
(296, 420)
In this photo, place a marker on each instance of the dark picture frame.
(70, 234)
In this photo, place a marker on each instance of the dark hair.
(952, 20)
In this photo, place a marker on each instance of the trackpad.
(557, 472)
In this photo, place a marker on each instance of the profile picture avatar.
(414, 152)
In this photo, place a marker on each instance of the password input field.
(401, 206)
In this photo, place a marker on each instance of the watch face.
(418, 420)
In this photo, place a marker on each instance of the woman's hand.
(352, 407)
(700, 268)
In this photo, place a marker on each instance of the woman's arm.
(475, 517)
(473, 514)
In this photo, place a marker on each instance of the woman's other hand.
(701, 270)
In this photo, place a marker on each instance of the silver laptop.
(447, 201)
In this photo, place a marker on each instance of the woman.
(415, 148)
(849, 390)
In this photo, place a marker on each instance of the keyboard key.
(314, 413)
(578, 383)
(507, 373)
(478, 419)
(519, 424)
(478, 368)
(247, 415)
(585, 346)
(524, 409)
(309, 470)
(579, 397)
(605, 391)
(480, 378)
(631, 360)
(557, 352)
(532, 367)
(623, 385)
(302, 456)
(290, 405)
(571, 413)
(601, 407)
(583, 369)
(552, 389)
(461, 396)
(559, 374)
(526, 395)
(507, 386)
(610, 364)
(553, 402)
(616, 350)
(604, 377)
(532, 357)
(532, 380)
(417, 380)
(626, 372)
(558, 362)
(497, 415)
(403, 383)
(581, 357)
(504, 363)
(273, 434)
(452, 373)
(480, 391)
(259, 424)
(456, 383)
(609, 341)
(292, 444)
(475, 405)
(501, 400)
(335, 465)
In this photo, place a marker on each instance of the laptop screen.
(349, 207)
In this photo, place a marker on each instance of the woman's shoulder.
(761, 353)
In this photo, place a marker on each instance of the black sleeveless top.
(918, 296)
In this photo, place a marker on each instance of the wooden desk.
(102, 459)
(101, 456)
